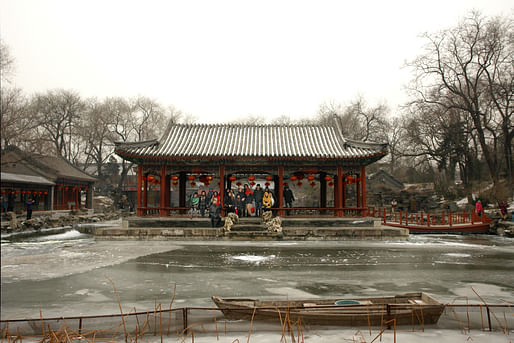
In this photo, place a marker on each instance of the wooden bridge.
(426, 222)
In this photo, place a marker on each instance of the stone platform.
(294, 229)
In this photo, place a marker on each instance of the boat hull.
(409, 309)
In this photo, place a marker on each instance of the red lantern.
(267, 184)
(299, 184)
(313, 184)
(191, 177)
(175, 182)
(232, 178)
(238, 184)
(174, 178)
(310, 177)
(330, 183)
(207, 183)
(193, 183)
(209, 178)
(269, 178)
(150, 178)
(349, 179)
(286, 184)
(3, 191)
(251, 178)
(45, 193)
(252, 183)
(328, 178)
(293, 178)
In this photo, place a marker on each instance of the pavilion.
(188, 155)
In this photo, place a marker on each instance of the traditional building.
(52, 182)
(191, 155)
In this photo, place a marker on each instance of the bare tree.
(6, 63)
(17, 128)
(57, 112)
(469, 68)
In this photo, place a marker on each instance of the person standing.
(195, 200)
(248, 200)
(267, 201)
(258, 193)
(30, 204)
(214, 212)
(288, 197)
(478, 208)
(202, 203)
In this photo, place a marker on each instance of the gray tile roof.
(254, 141)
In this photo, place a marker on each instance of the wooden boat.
(407, 309)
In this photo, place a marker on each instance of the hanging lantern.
(209, 178)
(293, 178)
(310, 177)
(232, 178)
(174, 177)
(175, 182)
(286, 184)
(313, 184)
(267, 184)
(251, 178)
(238, 184)
(252, 183)
(269, 178)
(299, 184)
(191, 177)
(193, 183)
(206, 183)
(349, 179)
(330, 184)
(45, 193)
(328, 178)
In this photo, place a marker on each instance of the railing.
(179, 323)
(427, 219)
(293, 211)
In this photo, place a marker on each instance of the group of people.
(244, 202)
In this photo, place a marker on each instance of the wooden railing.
(404, 218)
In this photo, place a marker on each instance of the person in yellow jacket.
(267, 201)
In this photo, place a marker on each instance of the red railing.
(404, 218)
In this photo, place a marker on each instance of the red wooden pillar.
(145, 193)
(162, 193)
(339, 193)
(363, 185)
(63, 197)
(344, 195)
(139, 185)
(280, 190)
(221, 173)
(358, 191)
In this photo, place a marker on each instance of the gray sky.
(221, 60)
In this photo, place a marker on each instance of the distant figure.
(195, 200)
(288, 197)
(202, 203)
(478, 208)
(267, 201)
(239, 205)
(248, 200)
(258, 193)
(394, 203)
(30, 204)
(4, 204)
(214, 212)
(503, 210)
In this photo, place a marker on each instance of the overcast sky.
(222, 60)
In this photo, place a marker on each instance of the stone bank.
(293, 229)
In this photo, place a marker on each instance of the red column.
(221, 173)
(162, 193)
(139, 185)
(145, 192)
(339, 193)
(363, 177)
(358, 191)
(280, 190)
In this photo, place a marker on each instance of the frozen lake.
(68, 274)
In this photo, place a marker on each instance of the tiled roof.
(257, 141)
